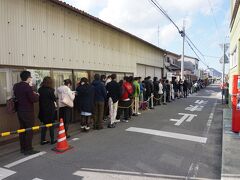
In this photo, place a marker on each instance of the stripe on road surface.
(103, 174)
(24, 159)
(4, 173)
(168, 134)
(37, 179)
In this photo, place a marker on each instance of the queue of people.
(102, 100)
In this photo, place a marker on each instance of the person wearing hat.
(26, 98)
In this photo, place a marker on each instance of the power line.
(157, 5)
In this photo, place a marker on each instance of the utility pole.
(223, 74)
(182, 60)
(158, 35)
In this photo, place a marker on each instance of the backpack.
(11, 105)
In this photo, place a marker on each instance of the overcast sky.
(207, 22)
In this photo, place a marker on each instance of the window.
(234, 58)
(78, 75)
(59, 76)
(3, 87)
(37, 76)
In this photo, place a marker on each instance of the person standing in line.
(149, 91)
(85, 103)
(155, 91)
(136, 96)
(131, 108)
(160, 92)
(175, 88)
(26, 98)
(47, 108)
(180, 88)
(103, 79)
(172, 91)
(113, 94)
(168, 91)
(185, 88)
(125, 101)
(99, 101)
(108, 80)
(65, 101)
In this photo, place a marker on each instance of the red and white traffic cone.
(62, 144)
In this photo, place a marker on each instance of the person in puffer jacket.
(125, 102)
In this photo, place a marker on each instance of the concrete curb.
(230, 146)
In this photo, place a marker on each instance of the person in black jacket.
(113, 95)
(168, 90)
(85, 102)
(99, 100)
(47, 108)
(149, 91)
(26, 98)
(185, 88)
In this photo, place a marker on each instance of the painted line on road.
(168, 134)
(37, 179)
(103, 174)
(25, 159)
(4, 173)
(210, 118)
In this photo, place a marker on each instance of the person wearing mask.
(65, 102)
(85, 103)
(136, 96)
(155, 91)
(26, 98)
(108, 80)
(113, 94)
(47, 108)
(99, 100)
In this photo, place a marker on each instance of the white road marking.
(201, 102)
(74, 139)
(37, 179)
(103, 174)
(25, 159)
(4, 173)
(210, 118)
(168, 134)
(186, 117)
(194, 108)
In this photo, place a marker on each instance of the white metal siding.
(150, 71)
(39, 33)
(141, 71)
(158, 73)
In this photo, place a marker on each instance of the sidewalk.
(13, 146)
(230, 149)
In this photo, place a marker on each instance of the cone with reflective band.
(62, 144)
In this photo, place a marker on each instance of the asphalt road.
(159, 144)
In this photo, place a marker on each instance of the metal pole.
(182, 62)
(223, 74)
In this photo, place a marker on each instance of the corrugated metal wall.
(39, 33)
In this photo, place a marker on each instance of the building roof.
(68, 6)
(172, 53)
(234, 13)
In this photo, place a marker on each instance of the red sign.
(236, 104)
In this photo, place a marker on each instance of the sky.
(206, 21)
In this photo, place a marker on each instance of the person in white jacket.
(160, 92)
(65, 102)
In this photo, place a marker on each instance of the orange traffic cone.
(62, 144)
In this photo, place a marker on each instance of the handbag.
(66, 100)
